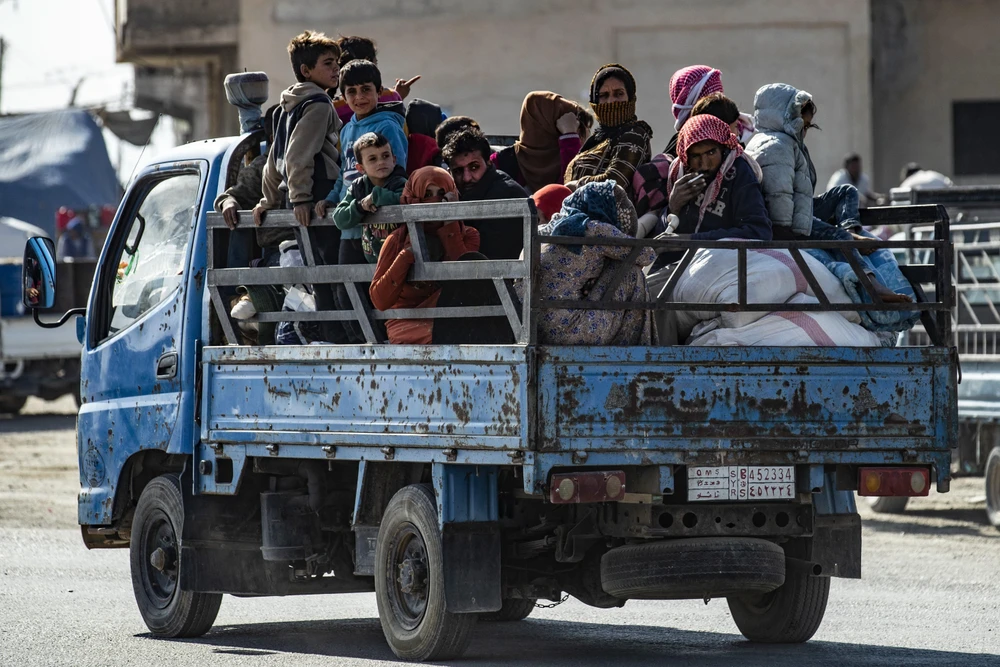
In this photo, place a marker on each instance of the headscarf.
(537, 149)
(603, 201)
(423, 117)
(549, 199)
(690, 84)
(700, 128)
(615, 117)
(416, 186)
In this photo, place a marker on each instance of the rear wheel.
(154, 555)
(409, 581)
(790, 614)
(993, 487)
(512, 610)
(888, 505)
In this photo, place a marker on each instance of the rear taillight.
(894, 481)
(587, 487)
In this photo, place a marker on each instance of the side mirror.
(38, 273)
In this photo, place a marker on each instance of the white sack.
(772, 277)
(787, 329)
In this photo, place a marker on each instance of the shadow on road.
(37, 422)
(547, 642)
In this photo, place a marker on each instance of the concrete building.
(936, 88)
(885, 73)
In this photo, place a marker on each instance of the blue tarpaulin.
(53, 159)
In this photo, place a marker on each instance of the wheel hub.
(413, 577)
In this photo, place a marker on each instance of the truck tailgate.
(783, 405)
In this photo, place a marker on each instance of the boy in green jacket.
(381, 184)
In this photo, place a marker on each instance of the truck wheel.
(409, 581)
(12, 404)
(693, 568)
(888, 504)
(993, 487)
(789, 615)
(167, 610)
(512, 610)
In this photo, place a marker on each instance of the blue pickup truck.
(463, 483)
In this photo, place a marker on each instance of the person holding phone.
(714, 188)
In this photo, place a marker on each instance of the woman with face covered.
(585, 272)
(623, 141)
(552, 131)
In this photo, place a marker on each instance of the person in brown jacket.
(622, 143)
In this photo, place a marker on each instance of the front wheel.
(993, 487)
(154, 555)
(409, 581)
(790, 614)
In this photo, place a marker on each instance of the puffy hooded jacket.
(789, 175)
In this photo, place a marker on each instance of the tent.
(53, 159)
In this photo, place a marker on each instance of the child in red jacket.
(446, 241)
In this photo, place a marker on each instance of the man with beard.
(468, 156)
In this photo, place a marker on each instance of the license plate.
(741, 483)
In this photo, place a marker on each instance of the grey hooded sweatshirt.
(317, 133)
(789, 175)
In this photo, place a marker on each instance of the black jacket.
(499, 238)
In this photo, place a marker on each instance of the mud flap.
(471, 554)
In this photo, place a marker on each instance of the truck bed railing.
(933, 248)
(976, 284)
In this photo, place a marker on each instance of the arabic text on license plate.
(749, 483)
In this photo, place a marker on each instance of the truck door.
(134, 385)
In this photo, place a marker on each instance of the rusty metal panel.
(379, 396)
(820, 400)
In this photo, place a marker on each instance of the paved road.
(930, 596)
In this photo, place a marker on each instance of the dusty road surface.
(930, 596)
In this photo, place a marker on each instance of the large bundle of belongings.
(774, 277)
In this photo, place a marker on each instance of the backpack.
(284, 125)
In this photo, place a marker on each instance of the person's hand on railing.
(258, 215)
(686, 189)
(230, 213)
(368, 204)
(303, 212)
(321, 207)
(864, 251)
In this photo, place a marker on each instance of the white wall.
(480, 57)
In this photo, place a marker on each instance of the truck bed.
(549, 406)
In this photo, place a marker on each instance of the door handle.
(166, 366)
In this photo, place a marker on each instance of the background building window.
(975, 141)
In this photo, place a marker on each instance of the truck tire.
(693, 568)
(409, 581)
(167, 610)
(888, 504)
(993, 487)
(512, 610)
(12, 405)
(789, 615)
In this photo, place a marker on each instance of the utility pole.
(3, 47)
